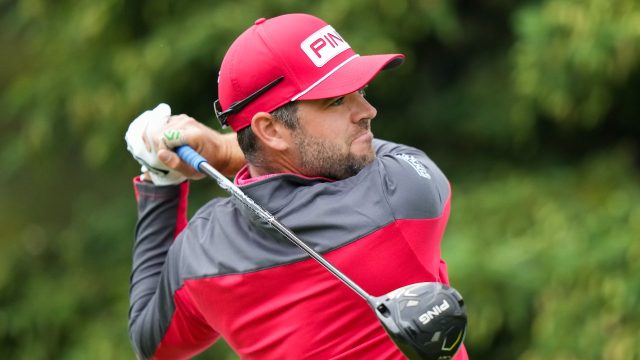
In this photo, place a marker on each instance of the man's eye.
(339, 101)
(362, 92)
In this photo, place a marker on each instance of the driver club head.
(426, 320)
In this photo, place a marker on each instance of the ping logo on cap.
(323, 45)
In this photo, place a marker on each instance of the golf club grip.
(190, 156)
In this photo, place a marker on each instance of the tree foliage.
(572, 55)
(529, 107)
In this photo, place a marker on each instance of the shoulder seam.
(383, 189)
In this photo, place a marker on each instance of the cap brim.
(352, 76)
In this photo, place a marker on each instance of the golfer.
(293, 91)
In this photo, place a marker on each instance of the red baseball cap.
(287, 58)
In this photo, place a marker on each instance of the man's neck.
(256, 171)
(273, 165)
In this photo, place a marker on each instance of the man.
(293, 90)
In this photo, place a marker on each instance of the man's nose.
(362, 108)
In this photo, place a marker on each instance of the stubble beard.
(326, 159)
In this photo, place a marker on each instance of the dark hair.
(287, 114)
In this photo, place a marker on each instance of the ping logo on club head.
(435, 311)
(323, 45)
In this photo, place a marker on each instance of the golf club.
(425, 320)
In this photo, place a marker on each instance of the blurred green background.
(530, 107)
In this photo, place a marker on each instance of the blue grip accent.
(190, 156)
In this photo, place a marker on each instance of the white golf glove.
(140, 135)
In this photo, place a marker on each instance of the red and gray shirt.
(229, 274)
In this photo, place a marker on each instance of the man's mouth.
(364, 136)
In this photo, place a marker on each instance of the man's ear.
(271, 132)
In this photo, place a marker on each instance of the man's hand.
(166, 132)
(221, 150)
(140, 144)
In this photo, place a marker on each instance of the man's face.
(334, 138)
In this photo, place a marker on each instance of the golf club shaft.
(191, 157)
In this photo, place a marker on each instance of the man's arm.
(163, 321)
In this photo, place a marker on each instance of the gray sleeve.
(414, 185)
(154, 235)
